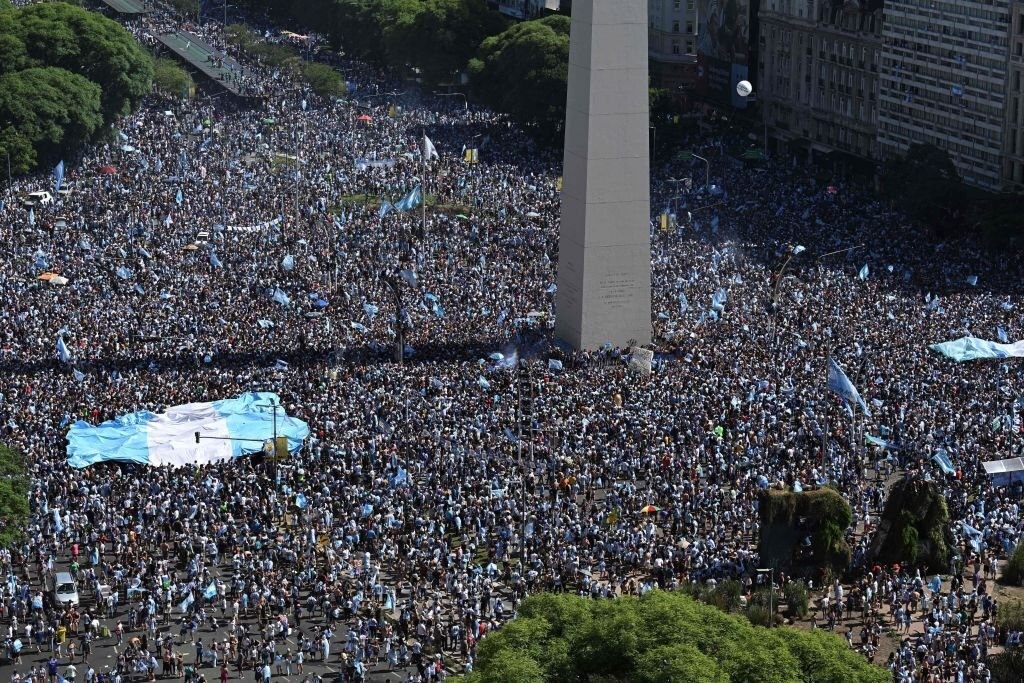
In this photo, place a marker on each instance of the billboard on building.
(723, 43)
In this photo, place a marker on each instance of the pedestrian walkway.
(129, 6)
(202, 56)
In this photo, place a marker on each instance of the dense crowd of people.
(216, 247)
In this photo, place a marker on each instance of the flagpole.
(824, 432)
(423, 175)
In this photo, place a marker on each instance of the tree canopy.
(14, 508)
(523, 71)
(57, 63)
(925, 184)
(658, 637)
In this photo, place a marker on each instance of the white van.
(65, 591)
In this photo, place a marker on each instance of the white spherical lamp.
(743, 88)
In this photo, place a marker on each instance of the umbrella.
(106, 170)
(462, 216)
(58, 280)
(364, 117)
(650, 508)
(532, 214)
(46, 277)
(191, 247)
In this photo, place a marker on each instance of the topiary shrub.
(1013, 570)
(913, 527)
(788, 520)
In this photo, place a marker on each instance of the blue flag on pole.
(838, 382)
(178, 197)
(385, 207)
(863, 274)
(62, 350)
(280, 297)
(411, 200)
(554, 364)
(211, 591)
(214, 261)
(58, 176)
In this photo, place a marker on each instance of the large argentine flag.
(227, 429)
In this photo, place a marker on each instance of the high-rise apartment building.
(817, 75)
(944, 82)
(671, 43)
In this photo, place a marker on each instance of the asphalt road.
(105, 651)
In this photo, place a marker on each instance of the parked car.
(65, 590)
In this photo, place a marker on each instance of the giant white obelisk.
(604, 246)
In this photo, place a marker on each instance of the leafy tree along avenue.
(66, 74)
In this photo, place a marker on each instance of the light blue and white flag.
(838, 382)
(211, 591)
(484, 384)
(941, 458)
(280, 297)
(370, 310)
(62, 351)
(972, 280)
(972, 348)
(385, 207)
(78, 374)
(401, 478)
(288, 262)
(178, 198)
(863, 274)
(58, 177)
(683, 303)
(215, 261)
(409, 276)
(974, 536)
(555, 365)
(32, 217)
(875, 441)
(799, 249)
(1001, 333)
(233, 427)
(123, 273)
(411, 200)
(359, 327)
(186, 603)
(301, 501)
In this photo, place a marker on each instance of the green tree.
(523, 71)
(437, 36)
(14, 508)
(51, 109)
(324, 80)
(679, 664)
(925, 183)
(91, 45)
(658, 637)
(170, 78)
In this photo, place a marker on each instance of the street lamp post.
(707, 170)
